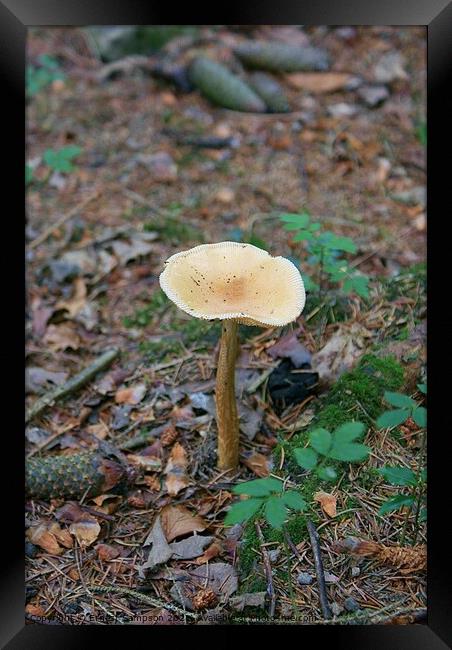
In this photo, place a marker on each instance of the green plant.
(237, 234)
(61, 160)
(38, 77)
(403, 477)
(28, 174)
(414, 482)
(337, 446)
(326, 253)
(265, 494)
(406, 408)
(421, 132)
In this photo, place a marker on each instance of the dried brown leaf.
(178, 521)
(257, 463)
(176, 478)
(131, 395)
(85, 530)
(327, 502)
(319, 82)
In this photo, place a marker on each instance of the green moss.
(196, 330)
(162, 350)
(143, 316)
(173, 229)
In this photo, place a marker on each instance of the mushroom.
(235, 283)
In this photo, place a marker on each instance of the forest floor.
(98, 233)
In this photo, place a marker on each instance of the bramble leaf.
(420, 416)
(321, 440)
(349, 431)
(326, 473)
(398, 475)
(242, 510)
(275, 512)
(348, 451)
(394, 503)
(399, 400)
(392, 418)
(294, 500)
(259, 487)
(306, 458)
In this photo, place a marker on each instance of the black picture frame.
(15, 17)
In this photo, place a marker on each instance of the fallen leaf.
(225, 195)
(48, 536)
(255, 599)
(78, 300)
(85, 530)
(35, 610)
(148, 463)
(219, 577)
(289, 347)
(127, 252)
(61, 337)
(178, 521)
(160, 552)
(140, 499)
(373, 96)
(327, 502)
(175, 470)
(250, 420)
(390, 67)
(131, 395)
(106, 552)
(319, 82)
(84, 260)
(213, 551)
(70, 512)
(37, 380)
(257, 463)
(161, 166)
(341, 352)
(40, 318)
(191, 547)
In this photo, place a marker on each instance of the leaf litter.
(100, 267)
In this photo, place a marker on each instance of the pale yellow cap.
(234, 280)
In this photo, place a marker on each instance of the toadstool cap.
(230, 280)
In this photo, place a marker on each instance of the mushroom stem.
(227, 420)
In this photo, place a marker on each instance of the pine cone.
(281, 57)
(86, 473)
(270, 91)
(222, 87)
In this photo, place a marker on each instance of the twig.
(379, 617)
(294, 549)
(203, 142)
(313, 536)
(43, 236)
(143, 597)
(72, 385)
(268, 570)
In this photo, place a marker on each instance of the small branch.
(268, 571)
(143, 597)
(294, 549)
(72, 385)
(314, 537)
(378, 617)
(43, 236)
